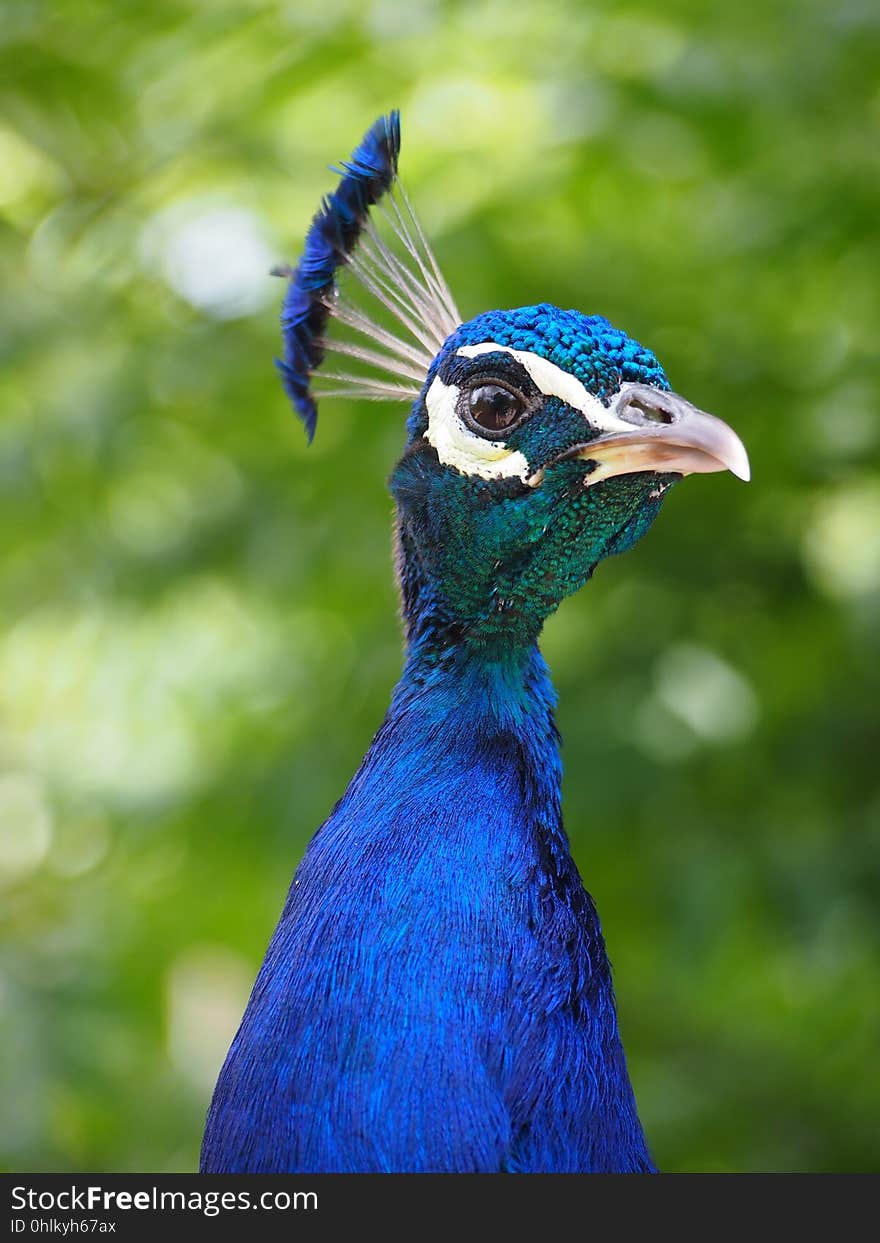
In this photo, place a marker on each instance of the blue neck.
(488, 694)
(439, 945)
(472, 728)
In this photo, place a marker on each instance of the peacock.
(437, 995)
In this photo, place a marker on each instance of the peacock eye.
(493, 409)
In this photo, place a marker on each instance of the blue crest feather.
(332, 236)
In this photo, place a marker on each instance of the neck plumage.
(470, 739)
(476, 696)
(437, 995)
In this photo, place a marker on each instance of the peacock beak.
(660, 431)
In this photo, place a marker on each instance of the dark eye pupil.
(493, 407)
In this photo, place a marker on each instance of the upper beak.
(660, 431)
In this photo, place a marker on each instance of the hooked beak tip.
(684, 440)
(739, 464)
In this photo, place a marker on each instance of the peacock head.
(540, 440)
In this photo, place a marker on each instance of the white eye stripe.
(472, 454)
(457, 446)
(553, 381)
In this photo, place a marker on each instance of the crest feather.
(401, 274)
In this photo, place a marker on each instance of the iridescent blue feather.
(329, 243)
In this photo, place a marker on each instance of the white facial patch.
(471, 453)
(458, 446)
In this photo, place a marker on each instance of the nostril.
(644, 413)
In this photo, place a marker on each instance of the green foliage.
(199, 619)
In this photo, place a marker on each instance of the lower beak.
(660, 431)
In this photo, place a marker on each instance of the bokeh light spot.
(707, 693)
(207, 989)
(25, 825)
(213, 256)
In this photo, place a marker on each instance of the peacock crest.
(397, 272)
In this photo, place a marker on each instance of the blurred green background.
(199, 620)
